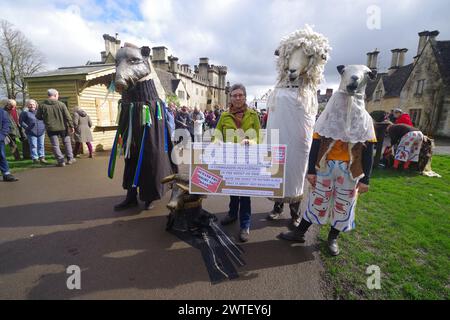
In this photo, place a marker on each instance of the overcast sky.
(241, 34)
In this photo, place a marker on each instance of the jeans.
(37, 146)
(4, 168)
(54, 135)
(243, 206)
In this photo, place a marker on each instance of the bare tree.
(18, 59)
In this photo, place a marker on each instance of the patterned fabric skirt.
(333, 200)
(409, 147)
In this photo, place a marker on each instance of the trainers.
(35, 161)
(244, 235)
(71, 161)
(227, 220)
(43, 161)
(148, 205)
(333, 247)
(61, 164)
(274, 215)
(9, 178)
(295, 236)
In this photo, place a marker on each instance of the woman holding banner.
(239, 116)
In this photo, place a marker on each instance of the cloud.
(241, 34)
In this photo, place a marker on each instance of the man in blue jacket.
(4, 130)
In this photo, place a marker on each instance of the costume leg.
(333, 247)
(321, 197)
(130, 200)
(343, 210)
(277, 211)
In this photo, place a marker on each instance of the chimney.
(423, 38)
(318, 92)
(401, 57)
(160, 54)
(432, 35)
(394, 61)
(372, 59)
(174, 67)
(103, 55)
(111, 45)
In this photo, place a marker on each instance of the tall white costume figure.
(293, 108)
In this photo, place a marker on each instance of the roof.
(371, 85)
(78, 70)
(442, 52)
(168, 81)
(393, 84)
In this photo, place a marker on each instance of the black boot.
(333, 247)
(298, 234)
(295, 207)
(129, 202)
(277, 211)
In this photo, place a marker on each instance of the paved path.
(56, 217)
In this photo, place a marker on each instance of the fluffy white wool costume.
(293, 103)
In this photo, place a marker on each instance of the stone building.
(323, 99)
(421, 88)
(205, 86)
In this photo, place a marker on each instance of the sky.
(241, 34)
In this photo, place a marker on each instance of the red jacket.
(405, 119)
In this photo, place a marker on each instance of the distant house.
(421, 88)
(84, 86)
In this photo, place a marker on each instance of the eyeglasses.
(237, 95)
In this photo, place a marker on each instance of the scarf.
(238, 114)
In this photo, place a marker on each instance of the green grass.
(17, 166)
(403, 226)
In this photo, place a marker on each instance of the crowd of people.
(30, 125)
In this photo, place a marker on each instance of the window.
(180, 94)
(202, 93)
(415, 116)
(196, 91)
(378, 94)
(420, 86)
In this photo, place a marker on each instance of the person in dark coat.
(35, 131)
(143, 113)
(4, 131)
(82, 124)
(14, 128)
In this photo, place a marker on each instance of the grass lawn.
(17, 166)
(403, 226)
